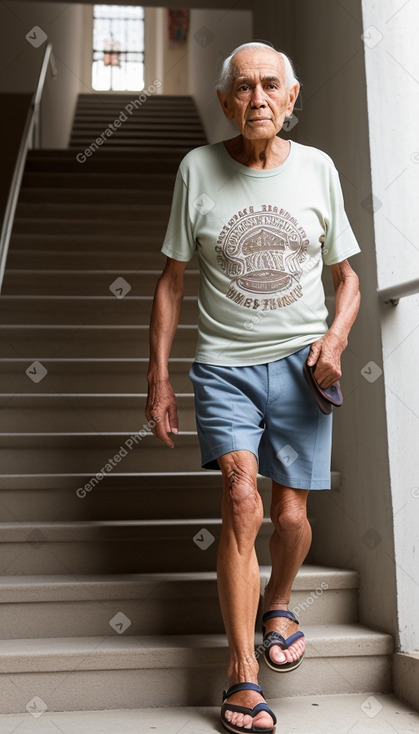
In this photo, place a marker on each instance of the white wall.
(392, 68)
(154, 46)
(168, 62)
(20, 61)
(214, 34)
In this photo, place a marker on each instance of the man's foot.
(249, 699)
(286, 628)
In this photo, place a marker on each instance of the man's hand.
(325, 353)
(161, 408)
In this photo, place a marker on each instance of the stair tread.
(179, 530)
(317, 714)
(157, 651)
(59, 587)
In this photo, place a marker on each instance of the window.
(118, 48)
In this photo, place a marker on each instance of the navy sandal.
(245, 710)
(274, 638)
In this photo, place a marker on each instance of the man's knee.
(290, 515)
(240, 490)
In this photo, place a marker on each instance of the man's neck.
(259, 154)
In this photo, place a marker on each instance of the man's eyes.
(246, 88)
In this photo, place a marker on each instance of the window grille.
(118, 48)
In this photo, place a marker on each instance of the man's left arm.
(326, 352)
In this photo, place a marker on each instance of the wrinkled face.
(259, 99)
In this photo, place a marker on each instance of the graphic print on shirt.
(262, 252)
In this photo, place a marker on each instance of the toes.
(277, 654)
(263, 721)
(238, 719)
(289, 655)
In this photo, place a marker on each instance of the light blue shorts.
(267, 409)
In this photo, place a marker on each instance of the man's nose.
(258, 97)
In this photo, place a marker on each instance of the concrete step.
(130, 546)
(88, 673)
(23, 311)
(107, 112)
(89, 341)
(156, 126)
(84, 195)
(156, 604)
(363, 713)
(89, 282)
(109, 161)
(177, 111)
(45, 156)
(170, 136)
(52, 259)
(82, 242)
(88, 375)
(145, 212)
(99, 180)
(155, 230)
(148, 496)
(80, 143)
(90, 451)
(75, 413)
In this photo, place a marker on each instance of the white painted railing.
(393, 293)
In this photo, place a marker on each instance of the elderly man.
(263, 214)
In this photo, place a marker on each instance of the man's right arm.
(161, 400)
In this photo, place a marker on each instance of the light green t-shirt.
(261, 237)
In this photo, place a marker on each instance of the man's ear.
(293, 94)
(224, 100)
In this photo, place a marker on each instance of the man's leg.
(289, 545)
(238, 577)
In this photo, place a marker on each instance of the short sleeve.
(339, 242)
(179, 242)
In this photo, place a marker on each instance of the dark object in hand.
(327, 397)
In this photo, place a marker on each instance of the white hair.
(227, 73)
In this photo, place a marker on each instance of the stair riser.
(114, 227)
(100, 344)
(81, 380)
(154, 554)
(108, 163)
(158, 616)
(77, 690)
(119, 503)
(127, 143)
(91, 128)
(78, 419)
(85, 195)
(64, 460)
(95, 312)
(122, 213)
(83, 179)
(60, 259)
(60, 284)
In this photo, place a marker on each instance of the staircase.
(108, 538)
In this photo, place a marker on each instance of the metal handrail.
(393, 293)
(30, 136)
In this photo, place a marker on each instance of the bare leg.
(289, 545)
(238, 578)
